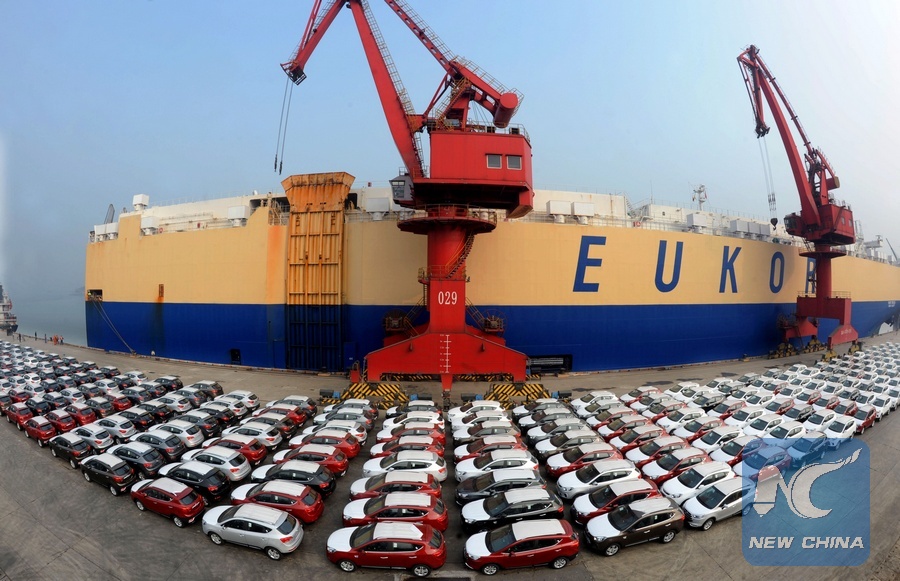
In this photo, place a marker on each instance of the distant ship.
(8, 322)
(315, 277)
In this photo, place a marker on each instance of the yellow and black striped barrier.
(390, 394)
(504, 392)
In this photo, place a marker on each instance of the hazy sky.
(101, 100)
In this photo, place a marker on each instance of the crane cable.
(282, 123)
(767, 173)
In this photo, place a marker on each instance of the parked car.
(61, 421)
(487, 444)
(96, 436)
(673, 464)
(654, 449)
(229, 462)
(419, 548)
(718, 502)
(71, 448)
(109, 471)
(167, 443)
(732, 452)
(298, 500)
(118, 427)
(496, 481)
(864, 418)
(18, 414)
(169, 498)
(811, 446)
(398, 507)
(260, 527)
(595, 475)
(495, 460)
(327, 456)
(398, 481)
(209, 482)
(524, 544)
(188, 433)
(421, 461)
(309, 473)
(630, 524)
(611, 496)
(695, 480)
(420, 443)
(40, 429)
(144, 459)
(509, 507)
(343, 441)
(249, 446)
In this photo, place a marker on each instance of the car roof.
(408, 499)
(139, 447)
(40, 420)
(110, 460)
(690, 451)
(537, 528)
(169, 485)
(709, 467)
(220, 451)
(331, 433)
(526, 494)
(406, 476)
(514, 473)
(422, 455)
(284, 487)
(396, 530)
(318, 449)
(633, 485)
(769, 451)
(411, 440)
(502, 454)
(301, 465)
(790, 424)
(650, 505)
(239, 438)
(500, 439)
(70, 438)
(195, 466)
(612, 464)
(259, 513)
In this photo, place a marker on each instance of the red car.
(697, 428)
(119, 402)
(609, 415)
(327, 456)
(169, 498)
(655, 449)
(828, 401)
(523, 544)
(397, 506)
(343, 441)
(40, 429)
(81, 413)
(620, 425)
(18, 413)
(661, 409)
(488, 444)
(398, 481)
(673, 464)
(18, 395)
(846, 407)
(579, 457)
(608, 497)
(422, 443)
(727, 408)
(395, 545)
(299, 500)
(864, 417)
(779, 405)
(248, 446)
(637, 436)
(293, 413)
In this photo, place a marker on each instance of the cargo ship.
(8, 322)
(315, 276)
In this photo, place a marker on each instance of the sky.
(102, 100)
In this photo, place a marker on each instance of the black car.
(96, 375)
(109, 371)
(156, 389)
(313, 475)
(283, 424)
(70, 447)
(110, 471)
(170, 382)
(196, 397)
(207, 423)
(143, 458)
(800, 413)
(137, 395)
(38, 406)
(483, 486)
(209, 482)
(5, 401)
(168, 444)
(55, 400)
(141, 419)
(160, 411)
(210, 388)
(90, 390)
(709, 401)
(305, 403)
(101, 406)
(221, 412)
(509, 507)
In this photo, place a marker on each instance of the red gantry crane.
(822, 221)
(474, 167)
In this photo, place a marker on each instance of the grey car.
(720, 501)
(252, 525)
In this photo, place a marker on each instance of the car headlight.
(675, 495)
(599, 539)
(330, 549)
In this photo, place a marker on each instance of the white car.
(695, 480)
(641, 404)
(785, 434)
(594, 397)
(717, 437)
(405, 442)
(678, 387)
(477, 418)
(545, 416)
(494, 461)
(616, 410)
(427, 462)
(715, 383)
(745, 415)
(638, 392)
(651, 448)
(229, 462)
(678, 418)
(731, 452)
(754, 462)
(403, 419)
(187, 432)
(489, 443)
(353, 402)
(595, 475)
(418, 405)
(810, 446)
(568, 439)
(763, 425)
(264, 433)
(176, 403)
(353, 428)
(882, 405)
(760, 398)
(248, 398)
(119, 427)
(473, 406)
(535, 406)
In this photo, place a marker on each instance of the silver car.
(96, 436)
(188, 433)
(229, 462)
(260, 527)
(718, 502)
(119, 427)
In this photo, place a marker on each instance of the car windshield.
(804, 444)
(228, 513)
(732, 447)
(693, 426)
(616, 424)
(649, 448)
(482, 461)
(741, 415)
(842, 408)
(559, 439)
(602, 496)
(362, 535)
(779, 433)
(587, 474)
(495, 505)
(636, 393)
(623, 517)
(668, 462)
(880, 403)
(483, 481)
(711, 437)
(189, 498)
(711, 497)
(658, 407)
(375, 504)
(722, 408)
(759, 424)
(691, 478)
(630, 436)
(499, 538)
(572, 455)
(861, 414)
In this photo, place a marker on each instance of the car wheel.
(707, 524)
(178, 522)
(53, 452)
(490, 569)
(348, 566)
(215, 538)
(73, 464)
(746, 510)
(667, 538)
(140, 505)
(40, 443)
(273, 554)
(862, 431)
(421, 570)
(612, 549)
(559, 563)
(27, 436)
(19, 427)
(8, 419)
(113, 490)
(86, 476)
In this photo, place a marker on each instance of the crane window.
(494, 161)
(514, 161)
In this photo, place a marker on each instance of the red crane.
(474, 167)
(823, 222)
